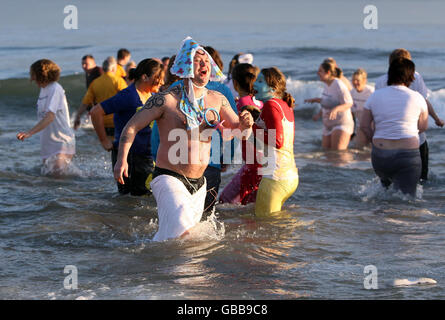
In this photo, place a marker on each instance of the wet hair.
(276, 80)
(122, 53)
(44, 71)
(108, 64)
(401, 71)
(399, 53)
(149, 67)
(165, 59)
(360, 72)
(169, 77)
(245, 75)
(87, 56)
(215, 56)
(330, 64)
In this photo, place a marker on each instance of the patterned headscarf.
(192, 108)
(183, 66)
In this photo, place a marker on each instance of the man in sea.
(123, 58)
(191, 113)
(92, 71)
(102, 88)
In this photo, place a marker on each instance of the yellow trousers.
(272, 194)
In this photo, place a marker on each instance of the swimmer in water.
(146, 78)
(280, 175)
(399, 115)
(360, 93)
(336, 103)
(242, 189)
(178, 184)
(58, 143)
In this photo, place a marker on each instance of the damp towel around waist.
(178, 210)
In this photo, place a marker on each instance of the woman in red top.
(276, 128)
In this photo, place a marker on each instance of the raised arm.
(313, 100)
(439, 122)
(152, 110)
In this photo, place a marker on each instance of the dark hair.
(165, 59)
(215, 56)
(401, 71)
(45, 71)
(276, 80)
(122, 53)
(87, 56)
(148, 67)
(132, 74)
(245, 75)
(169, 77)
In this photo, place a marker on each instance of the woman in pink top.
(243, 187)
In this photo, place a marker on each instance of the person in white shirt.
(57, 139)
(360, 93)
(336, 103)
(417, 85)
(399, 115)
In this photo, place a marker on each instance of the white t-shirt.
(335, 94)
(360, 98)
(417, 85)
(396, 110)
(57, 137)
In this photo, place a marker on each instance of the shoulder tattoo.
(158, 99)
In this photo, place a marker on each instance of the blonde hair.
(44, 71)
(360, 72)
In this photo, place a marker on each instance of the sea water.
(339, 221)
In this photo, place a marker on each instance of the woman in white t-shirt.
(360, 93)
(57, 138)
(399, 114)
(336, 103)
